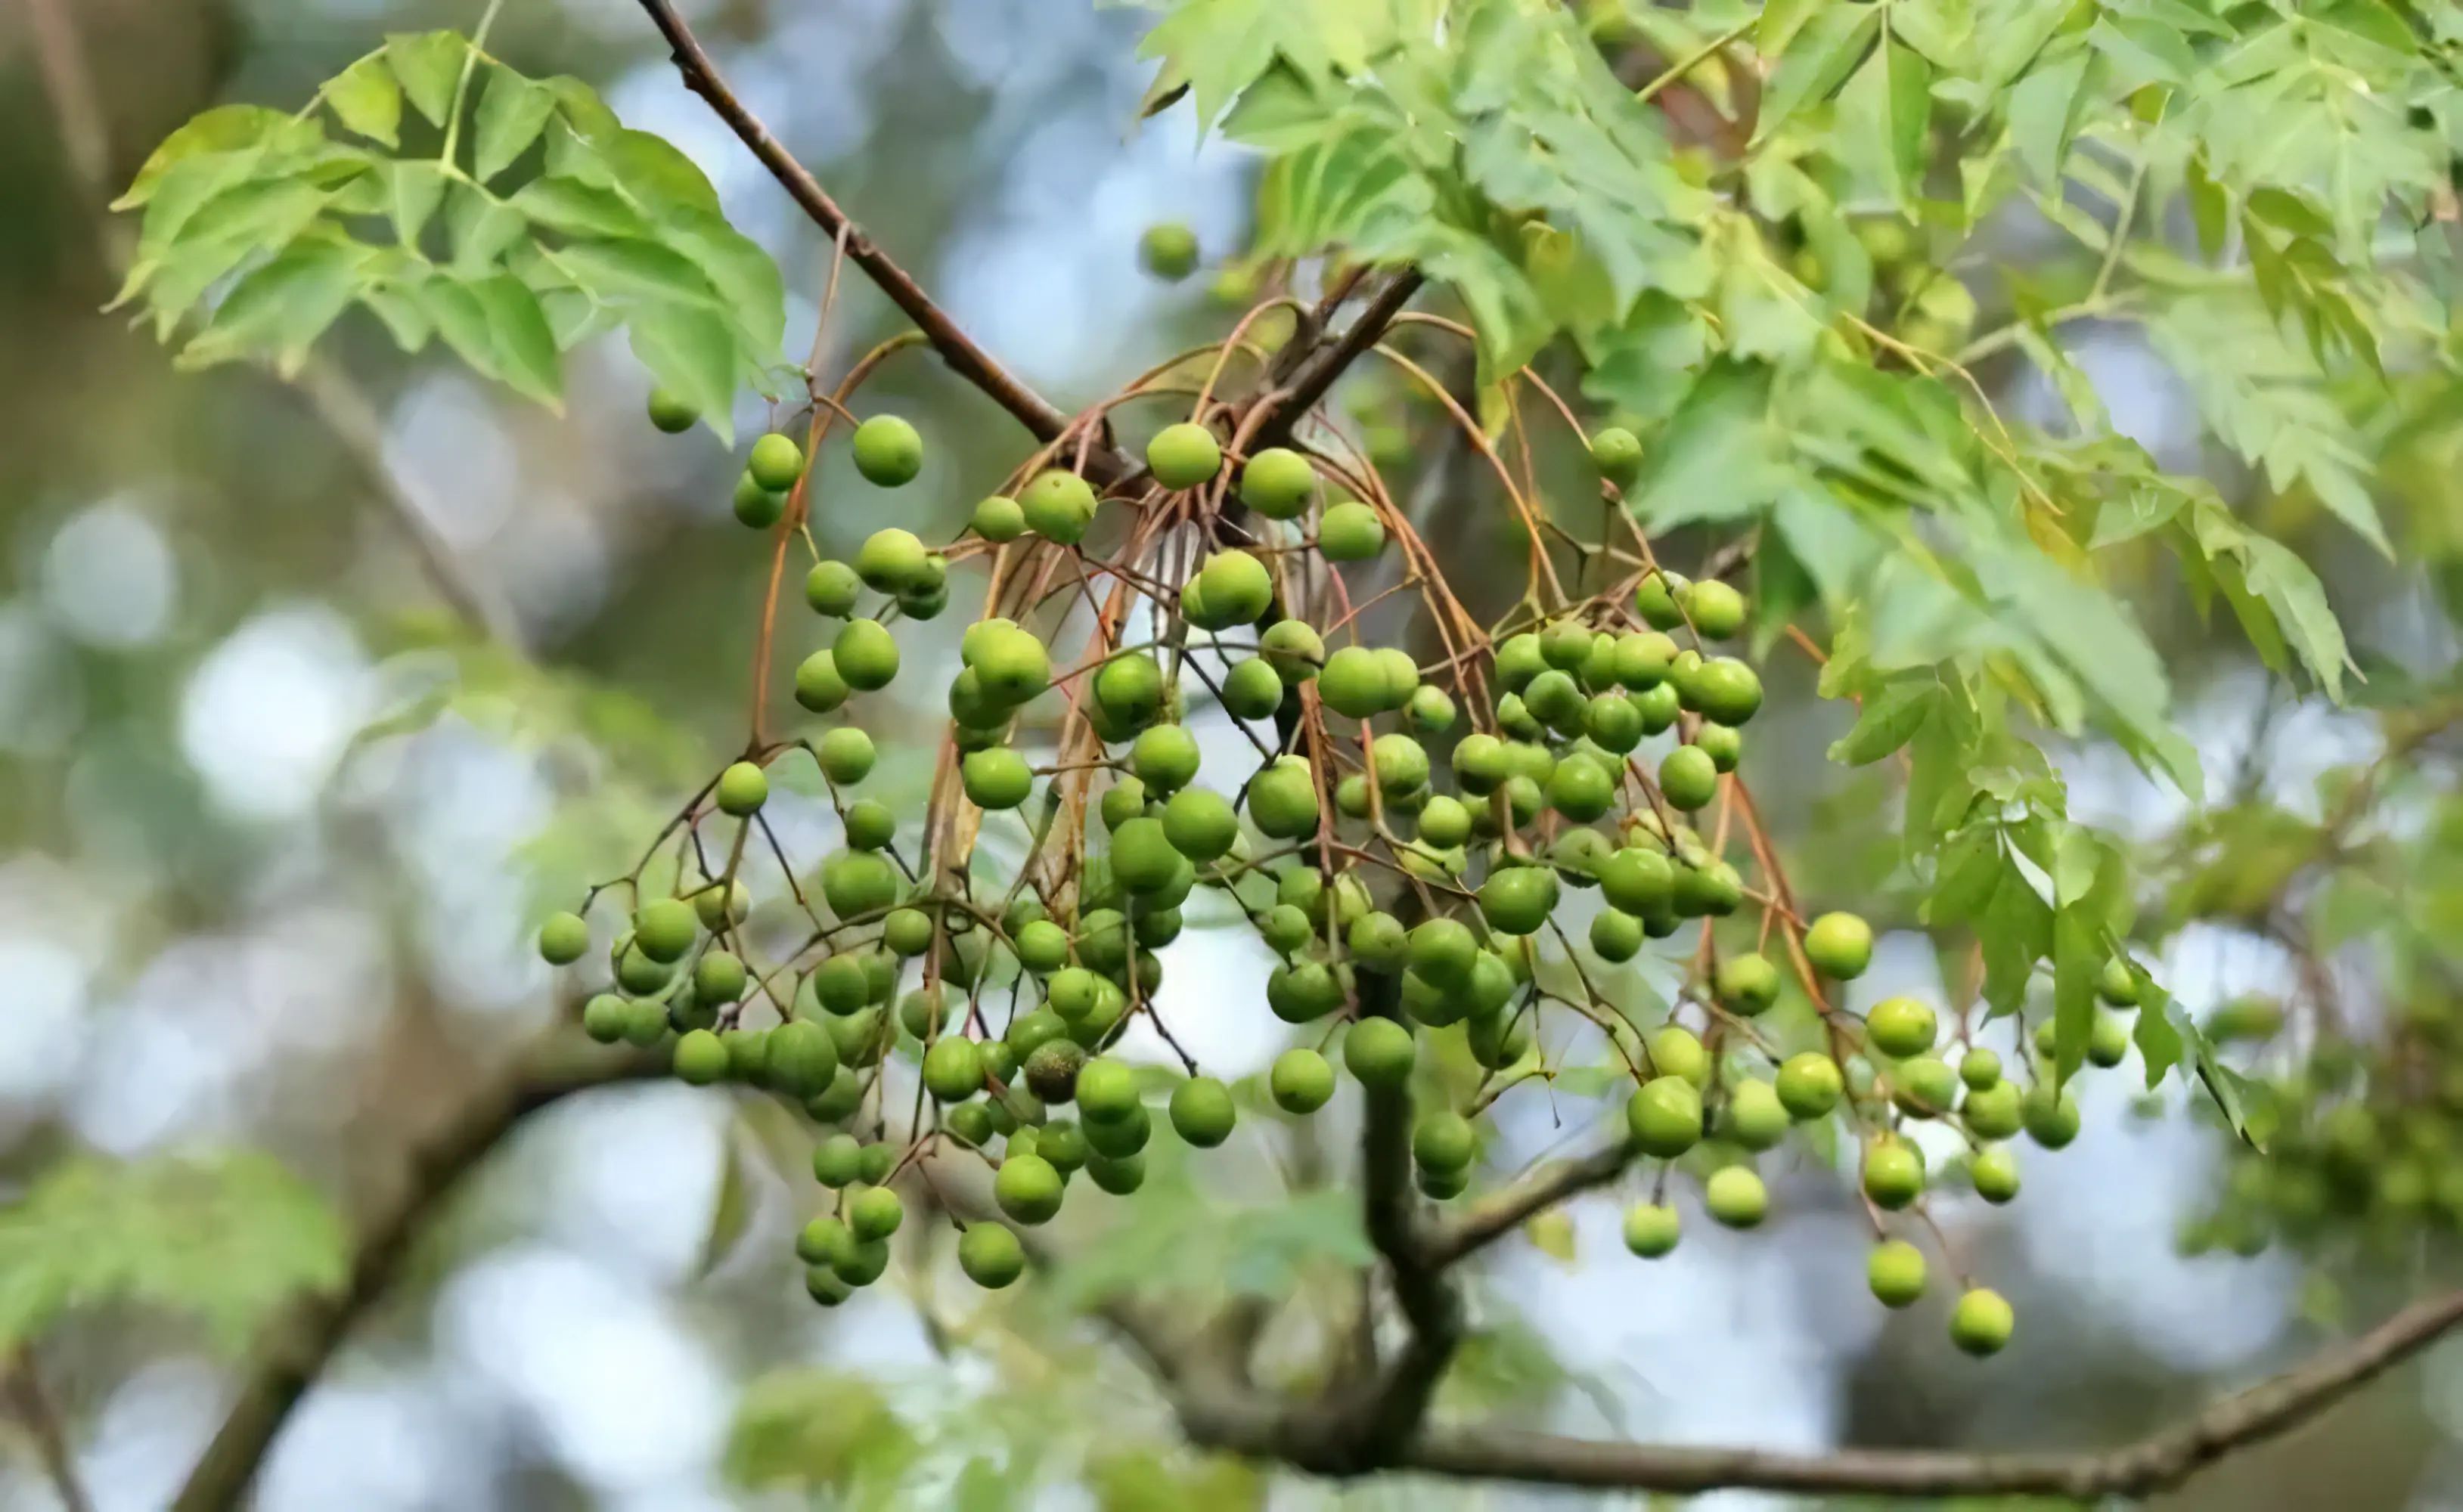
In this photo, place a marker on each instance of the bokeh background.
(257, 892)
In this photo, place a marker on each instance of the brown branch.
(957, 349)
(1479, 1223)
(41, 1416)
(300, 1344)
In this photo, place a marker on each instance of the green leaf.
(1884, 112)
(479, 228)
(224, 1240)
(496, 324)
(2043, 113)
(367, 98)
(416, 188)
(622, 268)
(656, 175)
(429, 65)
(572, 207)
(222, 133)
(1719, 455)
(281, 308)
(512, 112)
(1819, 59)
(1888, 720)
(1219, 48)
(690, 352)
(745, 278)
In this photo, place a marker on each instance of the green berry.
(1617, 453)
(1169, 250)
(1736, 1196)
(831, 588)
(1688, 778)
(1058, 506)
(1301, 1081)
(953, 1070)
(1443, 1142)
(1350, 531)
(1747, 984)
(1900, 1026)
(1755, 1117)
(564, 939)
(1237, 589)
(1809, 1085)
(1277, 483)
(1895, 1270)
(1995, 1170)
(865, 654)
(665, 928)
(1184, 456)
(888, 451)
(1716, 610)
(2051, 1117)
(1028, 1188)
(996, 779)
(874, 1214)
(1650, 1229)
(700, 1058)
(755, 506)
(671, 413)
(777, 463)
(1981, 1322)
(802, 1059)
(1517, 900)
(1252, 690)
(1664, 1115)
(1202, 1112)
(1895, 1173)
(990, 1256)
(1839, 946)
(1200, 824)
(818, 687)
(605, 1017)
(742, 789)
(846, 755)
(1379, 1052)
(718, 977)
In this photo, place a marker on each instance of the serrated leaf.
(1822, 56)
(405, 317)
(222, 132)
(744, 276)
(572, 207)
(429, 65)
(367, 98)
(281, 308)
(223, 1239)
(692, 353)
(511, 113)
(1888, 720)
(624, 269)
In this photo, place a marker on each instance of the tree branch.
(298, 1346)
(957, 349)
(1481, 1222)
(42, 1419)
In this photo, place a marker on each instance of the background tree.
(1565, 349)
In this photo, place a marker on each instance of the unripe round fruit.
(1353, 683)
(1129, 687)
(1726, 690)
(564, 939)
(2051, 1117)
(823, 1241)
(1716, 610)
(1659, 707)
(887, 451)
(1839, 946)
(1058, 506)
(892, 561)
(1895, 1270)
(1028, 1188)
(777, 463)
(665, 928)
(1169, 250)
(1580, 788)
(1688, 778)
(1755, 1118)
(1664, 1115)
(1900, 1026)
(836, 1101)
(998, 519)
(1979, 1069)
(605, 1017)
(1612, 722)
(1995, 1170)
(1282, 800)
(1379, 1052)
(2107, 1043)
(718, 977)
(1442, 951)
(1377, 941)
(1143, 858)
(757, 507)
(1809, 1085)
(718, 906)
(1200, 824)
(1616, 937)
(1981, 1322)
(1675, 1050)
(639, 975)
(823, 1284)
(1723, 746)
(1106, 1091)
(1202, 1112)
(1747, 984)
(818, 687)
(1051, 1071)
(1042, 945)
(1444, 822)
(1294, 649)
(1277, 483)
(671, 413)
(700, 1058)
(1617, 453)
(861, 1262)
(1995, 1111)
(1301, 1081)
(865, 654)
(846, 755)
(1350, 531)
(1736, 1196)
(742, 789)
(1251, 690)
(990, 1256)
(953, 1070)
(1650, 1229)
(2117, 986)
(1121, 1136)
(996, 778)
(1184, 456)
(1642, 658)
(831, 588)
(874, 1214)
(1554, 700)
(802, 1058)
(1517, 900)
(1654, 598)
(1637, 882)
(1895, 1173)
(1237, 589)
